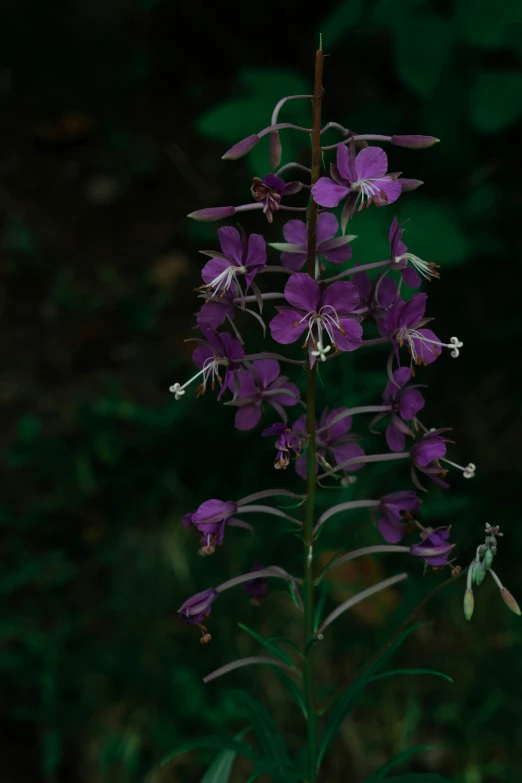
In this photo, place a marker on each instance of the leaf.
(220, 769)
(270, 742)
(268, 644)
(393, 672)
(294, 690)
(349, 697)
(433, 232)
(215, 742)
(477, 25)
(496, 100)
(396, 760)
(423, 48)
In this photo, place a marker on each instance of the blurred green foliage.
(114, 118)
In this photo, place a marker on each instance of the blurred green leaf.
(337, 24)
(478, 25)
(412, 672)
(268, 644)
(418, 777)
(433, 232)
(423, 47)
(496, 100)
(398, 759)
(213, 742)
(220, 769)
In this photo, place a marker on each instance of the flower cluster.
(328, 306)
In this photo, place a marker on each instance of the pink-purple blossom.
(426, 453)
(197, 608)
(210, 519)
(332, 248)
(396, 508)
(287, 444)
(257, 589)
(404, 325)
(261, 382)
(324, 313)
(270, 190)
(434, 547)
(219, 352)
(405, 402)
(401, 259)
(241, 256)
(335, 444)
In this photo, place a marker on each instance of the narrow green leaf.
(393, 672)
(268, 644)
(320, 603)
(350, 696)
(418, 777)
(396, 760)
(214, 741)
(294, 690)
(220, 769)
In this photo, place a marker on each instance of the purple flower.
(210, 519)
(261, 382)
(400, 259)
(270, 190)
(396, 509)
(404, 324)
(426, 453)
(361, 177)
(214, 312)
(257, 588)
(405, 402)
(287, 444)
(241, 255)
(333, 444)
(197, 608)
(320, 311)
(220, 350)
(295, 249)
(377, 295)
(434, 547)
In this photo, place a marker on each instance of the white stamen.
(424, 268)
(209, 370)
(407, 335)
(468, 472)
(224, 280)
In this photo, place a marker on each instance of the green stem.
(308, 582)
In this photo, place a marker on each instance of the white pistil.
(468, 471)
(408, 335)
(325, 321)
(209, 370)
(424, 268)
(224, 280)
(321, 351)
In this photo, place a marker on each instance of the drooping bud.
(409, 184)
(469, 604)
(241, 148)
(210, 214)
(479, 572)
(414, 142)
(488, 558)
(510, 601)
(276, 149)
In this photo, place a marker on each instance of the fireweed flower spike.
(401, 259)
(333, 442)
(396, 510)
(241, 256)
(327, 315)
(197, 609)
(261, 382)
(294, 253)
(219, 351)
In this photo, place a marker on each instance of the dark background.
(114, 115)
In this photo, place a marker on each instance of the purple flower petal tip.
(414, 142)
(210, 214)
(241, 148)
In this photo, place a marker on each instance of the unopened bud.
(210, 214)
(241, 148)
(469, 604)
(510, 601)
(414, 142)
(488, 558)
(479, 572)
(276, 149)
(409, 184)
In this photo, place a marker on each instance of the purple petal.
(413, 311)
(247, 385)
(411, 402)
(425, 349)
(214, 312)
(301, 466)
(212, 511)
(427, 450)
(303, 292)
(296, 232)
(394, 503)
(293, 261)
(386, 293)
(327, 227)
(336, 251)
(346, 162)
(286, 327)
(248, 417)
(276, 183)
(256, 254)
(394, 437)
(352, 337)
(389, 190)
(274, 430)
(233, 349)
(267, 370)
(327, 194)
(337, 430)
(371, 163)
(201, 354)
(401, 377)
(410, 277)
(392, 533)
(285, 399)
(213, 268)
(348, 451)
(343, 297)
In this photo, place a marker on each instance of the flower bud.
(241, 148)
(479, 572)
(469, 604)
(488, 558)
(409, 184)
(276, 150)
(510, 601)
(414, 142)
(210, 214)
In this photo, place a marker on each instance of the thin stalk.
(308, 581)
